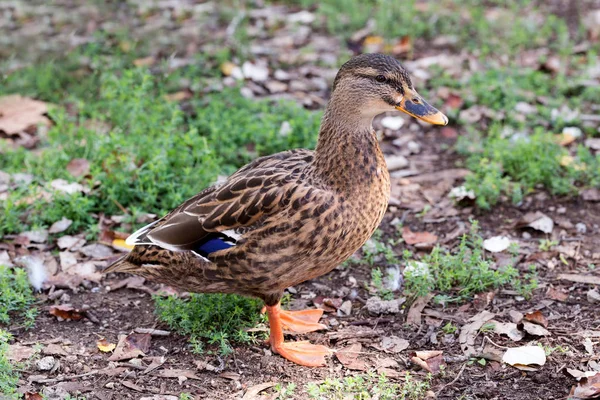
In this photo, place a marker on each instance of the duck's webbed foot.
(302, 353)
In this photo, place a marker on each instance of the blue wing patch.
(214, 244)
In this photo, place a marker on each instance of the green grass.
(516, 24)
(9, 378)
(368, 386)
(458, 275)
(16, 297)
(151, 156)
(216, 319)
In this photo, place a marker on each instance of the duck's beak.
(413, 104)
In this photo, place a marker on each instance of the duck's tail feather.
(122, 265)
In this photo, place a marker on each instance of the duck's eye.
(380, 78)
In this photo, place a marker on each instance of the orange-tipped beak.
(413, 104)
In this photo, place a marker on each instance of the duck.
(288, 217)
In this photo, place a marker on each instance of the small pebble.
(526, 235)
(580, 227)
(46, 363)
(345, 308)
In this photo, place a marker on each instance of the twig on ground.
(453, 381)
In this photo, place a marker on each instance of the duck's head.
(376, 83)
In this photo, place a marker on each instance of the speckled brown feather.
(299, 213)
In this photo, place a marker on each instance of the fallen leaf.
(393, 344)
(33, 396)
(131, 346)
(144, 61)
(523, 357)
(411, 237)
(132, 386)
(535, 330)
(253, 391)
(54, 349)
(556, 294)
(176, 373)
(509, 329)
(415, 310)
(496, 244)
(348, 356)
(18, 352)
(538, 221)
(579, 278)
(104, 346)
(178, 96)
(592, 194)
(469, 331)
(430, 361)
(67, 312)
(62, 185)
(587, 388)
(60, 226)
(537, 317)
(78, 167)
(38, 236)
(18, 113)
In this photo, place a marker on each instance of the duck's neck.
(347, 156)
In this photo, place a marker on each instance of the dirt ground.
(170, 368)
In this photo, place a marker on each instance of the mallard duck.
(290, 216)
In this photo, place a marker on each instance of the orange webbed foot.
(302, 353)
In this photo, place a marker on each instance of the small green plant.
(213, 319)
(367, 386)
(460, 274)
(379, 286)
(449, 328)
(16, 297)
(9, 378)
(186, 396)
(487, 327)
(527, 283)
(285, 392)
(547, 244)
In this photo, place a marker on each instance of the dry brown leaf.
(348, 356)
(60, 226)
(535, 330)
(430, 360)
(176, 373)
(580, 278)
(411, 237)
(509, 329)
(393, 344)
(537, 317)
(33, 396)
(469, 331)
(18, 113)
(557, 294)
(144, 61)
(536, 220)
(78, 167)
(253, 391)
(132, 386)
(104, 346)
(415, 310)
(18, 352)
(67, 312)
(131, 346)
(178, 96)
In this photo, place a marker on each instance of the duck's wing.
(211, 220)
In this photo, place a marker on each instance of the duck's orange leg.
(302, 321)
(302, 353)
